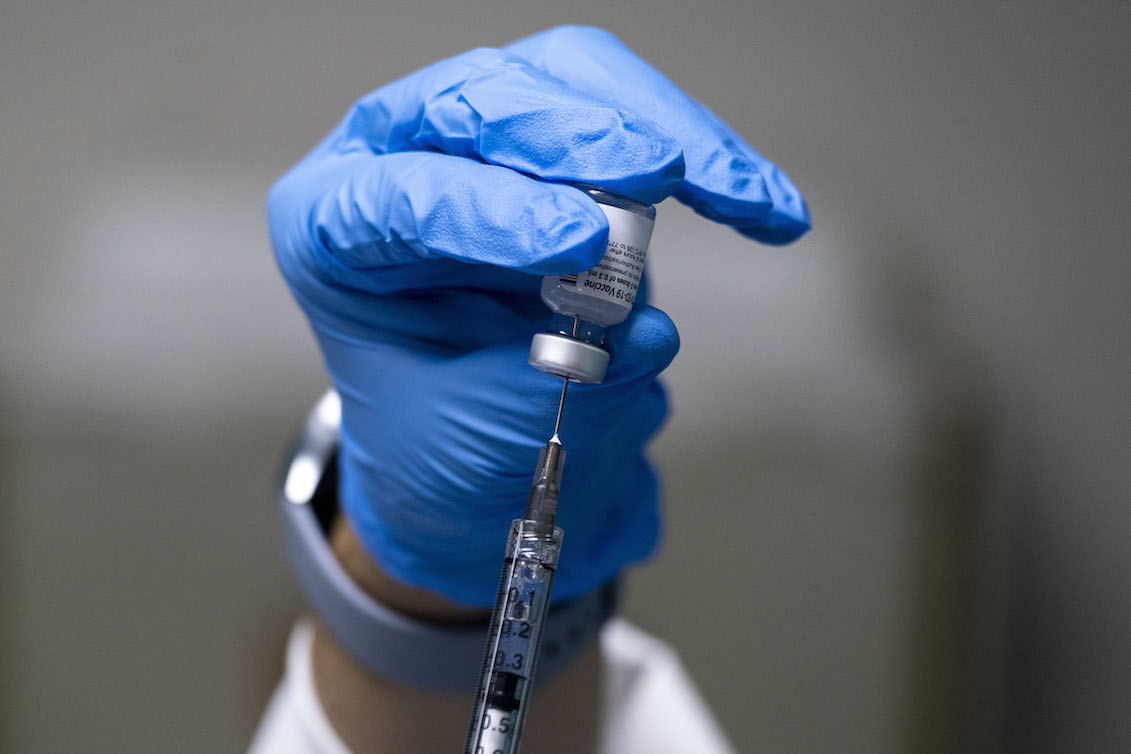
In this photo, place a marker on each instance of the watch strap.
(418, 653)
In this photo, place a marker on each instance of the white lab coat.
(650, 704)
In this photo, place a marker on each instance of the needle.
(561, 406)
(565, 386)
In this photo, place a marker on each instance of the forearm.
(375, 714)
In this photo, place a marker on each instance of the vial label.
(616, 277)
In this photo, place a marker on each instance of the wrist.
(411, 601)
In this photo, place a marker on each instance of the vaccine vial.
(586, 303)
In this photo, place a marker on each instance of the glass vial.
(603, 296)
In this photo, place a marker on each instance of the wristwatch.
(423, 654)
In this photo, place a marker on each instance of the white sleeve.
(294, 722)
(650, 704)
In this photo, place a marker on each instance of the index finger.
(495, 107)
(725, 179)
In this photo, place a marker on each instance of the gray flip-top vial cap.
(568, 357)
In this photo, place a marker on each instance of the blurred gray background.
(897, 479)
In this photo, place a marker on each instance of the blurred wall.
(916, 421)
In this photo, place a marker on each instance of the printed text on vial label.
(617, 277)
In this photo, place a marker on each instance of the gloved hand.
(414, 237)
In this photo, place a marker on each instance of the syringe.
(584, 305)
(521, 605)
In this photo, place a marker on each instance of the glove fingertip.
(766, 208)
(788, 220)
(645, 344)
(569, 232)
(780, 230)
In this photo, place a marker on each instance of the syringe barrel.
(511, 658)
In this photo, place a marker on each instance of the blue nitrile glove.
(414, 237)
